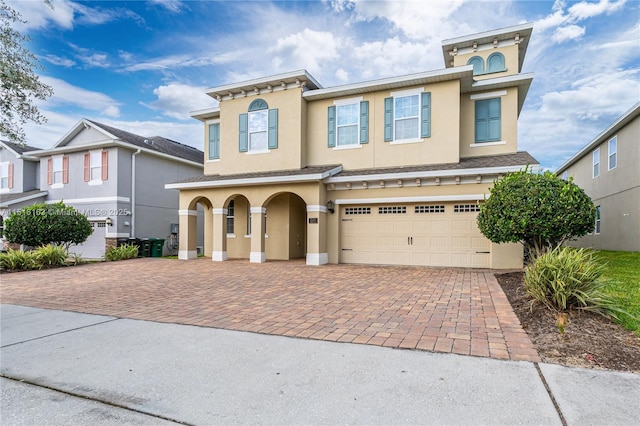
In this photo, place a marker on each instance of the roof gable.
(17, 149)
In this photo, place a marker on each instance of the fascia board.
(430, 174)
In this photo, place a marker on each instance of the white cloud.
(177, 100)
(394, 57)
(569, 32)
(584, 10)
(307, 49)
(39, 15)
(57, 60)
(342, 75)
(173, 6)
(68, 94)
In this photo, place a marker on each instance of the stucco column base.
(257, 257)
(316, 259)
(187, 254)
(219, 256)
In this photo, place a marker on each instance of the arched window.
(258, 128)
(478, 64)
(257, 105)
(495, 62)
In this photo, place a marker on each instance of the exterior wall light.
(108, 221)
(331, 206)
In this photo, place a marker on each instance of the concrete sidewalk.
(139, 372)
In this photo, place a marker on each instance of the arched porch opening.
(238, 226)
(285, 227)
(196, 229)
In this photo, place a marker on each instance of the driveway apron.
(458, 311)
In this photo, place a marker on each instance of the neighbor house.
(608, 169)
(391, 171)
(116, 179)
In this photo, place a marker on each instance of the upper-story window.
(488, 120)
(348, 123)
(596, 163)
(495, 63)
(478, 64)
(407, 116)
(58, 171)
(96, 167)
(214, 141)
(258, 128)
(613, 153)
(6, 175)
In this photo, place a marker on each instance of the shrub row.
(43, 257)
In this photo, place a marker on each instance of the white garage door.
(440, 234)
(93, 248)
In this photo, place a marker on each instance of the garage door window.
(430, 209)
(392, 210)
(357, 210)
(466, 208)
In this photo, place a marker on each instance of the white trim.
(345, 147)
(263, 151)
(609, 153)
(116, 235)
(231, 235)
(408, 92)
(428, 174)
(219, 211)
(95, 182)
(187, 212)
(187, 254)
(219, 256)
(90, 200)
(258, 210)
(57, 186)
(348, 101)
(256, 181)
(422, 199)
(215, 160)
(257, 257)
(316, 208)
(406, 141)
(488, 95)
(480, 144)
(316, 259)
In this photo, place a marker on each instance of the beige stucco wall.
(441, 147)
(287, 156)
(510, 60)
(509, 126)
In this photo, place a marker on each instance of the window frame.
(261, 131)
(613, 154)
(595, 163)
(213, 141)
(598, 221)
(488, 119)
(57, 170)
(423, 117)
(5, 166)
(231, 221)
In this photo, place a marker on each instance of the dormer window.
(478, 65)
(258, 128)
(495, 63)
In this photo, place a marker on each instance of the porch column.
(257, 254)
(188, 234)
(317, 235)
(219, 253)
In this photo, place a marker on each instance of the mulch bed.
(589, 340)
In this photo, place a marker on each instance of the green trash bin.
(144, 248)
(157, 244)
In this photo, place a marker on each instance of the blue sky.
(142, 66)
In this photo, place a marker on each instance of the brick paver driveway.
(443, 310)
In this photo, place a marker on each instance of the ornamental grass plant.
(566, 278)
(124, 252)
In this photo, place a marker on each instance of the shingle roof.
(8, 199)
(521, 158)
(19, 148)
(156, 143)
(256, 175)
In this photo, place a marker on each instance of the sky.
(143, 66)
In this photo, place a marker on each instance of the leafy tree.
(19, 86)
(41, 224)
(538, 209)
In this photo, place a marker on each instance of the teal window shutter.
(488, 120)
(331, 127)
(388, 119)
(273, 129)
(425, 125)
(214, 141)
(364, 122)
(243, 141)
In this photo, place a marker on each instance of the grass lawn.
(623, 272)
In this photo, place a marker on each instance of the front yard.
(623, 272)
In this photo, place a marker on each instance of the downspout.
(133, 193)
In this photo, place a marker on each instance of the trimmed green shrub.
(49, 256)
(566, 278)
(124, 252)
(17, 260)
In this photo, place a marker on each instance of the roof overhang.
(299, 78)
(206, 114)
(264, 180)
(26, 197)
(464, 74)
(521, 81)
(108, 144)
(518, 34)
(430, 174)
(625, 119)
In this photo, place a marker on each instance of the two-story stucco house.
(390, 171)
(608, 169)
(116, 179)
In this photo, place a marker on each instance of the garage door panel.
(410, 235)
